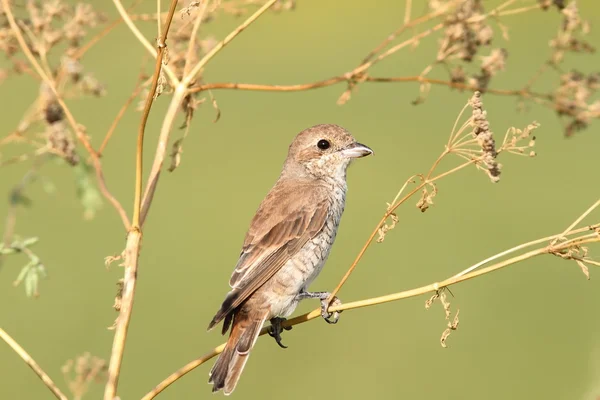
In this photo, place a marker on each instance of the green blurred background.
(530, 331)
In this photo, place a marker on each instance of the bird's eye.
(323, 144)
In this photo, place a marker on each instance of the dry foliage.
(48, 41)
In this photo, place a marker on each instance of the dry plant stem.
(82, 138)
(134, 236)
(137, 204)
(161, 149)
(407, 24)
(191, 76)
(182, 371)
(344, 78)
(182, 90)
(592, 238)
(140, 37)
(578, 220)
(428, 180)
(107, 194)
(118, 118)
(32, 364)
(407, 11)
(132, 250)
(197, 23)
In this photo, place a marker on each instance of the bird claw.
(276, 329)
(330, 318)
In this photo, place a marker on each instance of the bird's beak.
(357, 150)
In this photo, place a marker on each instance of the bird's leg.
(323, 296)
(276, 329)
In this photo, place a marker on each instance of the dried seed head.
(573, 99)
(60, 140)
(458, 75)
(466, 31)
(496, 61)
(569, 36)
(545, 4)
(485, 138)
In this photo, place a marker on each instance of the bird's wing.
(288, 218)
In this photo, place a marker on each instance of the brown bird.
(286, 246)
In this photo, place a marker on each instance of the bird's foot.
(276, 329)
(330, 318)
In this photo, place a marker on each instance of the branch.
(433, 287)
(138, 88)
(348, 76)
(134, 236)
(140, 37)
(33, 365)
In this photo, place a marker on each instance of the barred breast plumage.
(302, 269)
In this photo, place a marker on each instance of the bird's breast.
(303, 267)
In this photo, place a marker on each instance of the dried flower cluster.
(485, 138)
(466, 31)
(82, 371)
(479, 145)
(451, 325)
(569, 37)
(574, 99)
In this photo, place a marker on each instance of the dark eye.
(323, 144)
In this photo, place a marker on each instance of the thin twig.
(578, 220)
(134, 236)
(404, 27)
(390, 210)
(407, 11)
(140, 37)
(138, 88)
(344, 78)
(33, 365)
(191, 45)
(191, 76)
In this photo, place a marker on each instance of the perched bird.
(286, 246)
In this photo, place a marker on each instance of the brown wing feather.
(288, 218)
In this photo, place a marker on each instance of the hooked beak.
(357, 150)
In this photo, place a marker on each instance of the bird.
(286, 246)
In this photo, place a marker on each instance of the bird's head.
(324, 151)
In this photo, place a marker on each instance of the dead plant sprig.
(473, 141)
(55, 107)
(466, 31)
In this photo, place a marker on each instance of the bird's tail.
(230, 364)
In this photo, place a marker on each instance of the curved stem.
(32, 364)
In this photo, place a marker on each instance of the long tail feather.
(228, 368)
